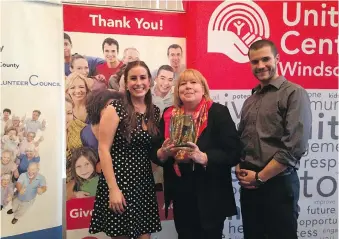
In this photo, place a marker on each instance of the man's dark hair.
(67, 37)
(110, 41)
(37, 111)
(165, 68)
(174, 46)
(97, 101)
(7, 110)
(262, 43)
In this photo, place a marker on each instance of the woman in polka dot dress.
(125, 204)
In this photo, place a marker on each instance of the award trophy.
(182, 130)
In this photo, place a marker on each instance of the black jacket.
(212, 186)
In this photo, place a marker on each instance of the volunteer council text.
(32, 81)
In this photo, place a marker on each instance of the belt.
(255, 168)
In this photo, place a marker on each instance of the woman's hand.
(183, 155)
(167, 150)
(196, 155)
(117, 200)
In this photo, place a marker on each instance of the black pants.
(271, 211)
(199, 233)
(187, 221)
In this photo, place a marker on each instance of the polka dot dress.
(133, 172)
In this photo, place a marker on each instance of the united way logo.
(233, 26)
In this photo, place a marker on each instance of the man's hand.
(100, 78)
(22, 190)
(246, 178)
(40, 191)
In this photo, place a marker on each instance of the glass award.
(182, 130)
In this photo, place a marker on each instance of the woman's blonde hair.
(72, 77)
(187, 75)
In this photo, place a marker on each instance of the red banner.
(140, 34)
(79, 211)
(123, 21)
(305, 32)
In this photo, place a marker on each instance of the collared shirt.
(103, 69)
(24, 162)
(162, 103)
(276, 124)
(31, 188)
(33, 126)
(25, 144)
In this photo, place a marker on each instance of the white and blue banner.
(32, 119)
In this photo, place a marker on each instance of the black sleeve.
(157, 142)
(227, 148)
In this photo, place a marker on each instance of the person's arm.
(122, 87)
(69, 190)
(227, 142)
(112, 84)
(42, 185)
(157, 142)
(93, 62)
(43, 125)
(97, 60)
(297, 129)
(36, 159)
(42, 189)
(158, 156)
(20, 185)
(107, 129)
(15, 170)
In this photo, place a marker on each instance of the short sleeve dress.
(133, 172)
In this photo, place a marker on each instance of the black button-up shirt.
(276, 124)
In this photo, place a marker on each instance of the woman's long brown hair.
(130, 122)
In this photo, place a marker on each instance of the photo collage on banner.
(31, 119)
(306, 35)
(97, 49)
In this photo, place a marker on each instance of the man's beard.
(271, 72)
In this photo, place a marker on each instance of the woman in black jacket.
(198, 178)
